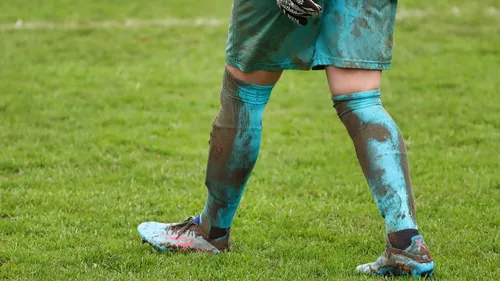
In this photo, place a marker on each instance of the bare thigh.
(257, 77)
(343, 81)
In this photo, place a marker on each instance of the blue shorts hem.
(321, 62)
(264, 66)
(318, 63)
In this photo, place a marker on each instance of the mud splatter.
(234, 146)
(424, 256)
(394, 198)
(356, 32)
(337, 19)
(362, 23)
(382, 191)
(224, 131)
(406, 171)
(389, 42)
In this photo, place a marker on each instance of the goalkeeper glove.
(299, 10)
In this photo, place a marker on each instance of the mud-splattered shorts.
(347, 34)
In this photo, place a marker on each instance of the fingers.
(298, 20)
(308, 6)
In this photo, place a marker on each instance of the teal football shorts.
(347, 34)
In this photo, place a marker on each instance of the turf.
(103, 128)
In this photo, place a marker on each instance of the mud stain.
(224, 133)
(356, 32)
(231, 151)
(360, 133)
(362, 23)
(337, 19)
(406, 171)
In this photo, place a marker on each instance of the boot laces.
(186, 226)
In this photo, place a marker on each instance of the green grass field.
(103, 127)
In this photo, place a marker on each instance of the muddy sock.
(234, 147)
(382, 155)
(217, 232)
(402, 239)
(214, 232)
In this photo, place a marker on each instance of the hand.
(299, 10)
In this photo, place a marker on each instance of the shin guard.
(382, 155)
(234, 147)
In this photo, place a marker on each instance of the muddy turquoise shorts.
(347, 34)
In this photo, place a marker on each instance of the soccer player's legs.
(234, 148)
(261, 43)
(355, 48)
(381, 152)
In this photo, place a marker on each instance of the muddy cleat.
(414, 261)
(181, 237)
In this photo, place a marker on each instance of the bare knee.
(257, 77)
(347, 81)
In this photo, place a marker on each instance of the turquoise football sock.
(382, 155)
(234, 147)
